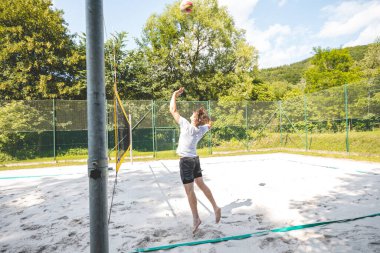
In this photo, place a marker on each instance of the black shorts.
(190, 168)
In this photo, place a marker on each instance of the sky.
(283, 31)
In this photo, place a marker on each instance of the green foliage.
(202, 51)
(370, 64)
(359, 62)
(289, 73)
(330, 68)
(72, 152)
(357, 53)
(5, 157)
(294, 72)
(229, 120)
(38, 59)
(130, 69)
(115, 68)
(16, 120)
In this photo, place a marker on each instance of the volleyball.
(186, 6)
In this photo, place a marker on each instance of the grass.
(364, 146)
(366, 143)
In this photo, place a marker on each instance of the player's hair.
(201, 117)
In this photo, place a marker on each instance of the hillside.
(293, 73)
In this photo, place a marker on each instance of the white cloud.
(265, 40)
(351, 17)
(282, 44)
(281, 2)
(368, 35)
(278, 44)
(241, 11)
(284, 55)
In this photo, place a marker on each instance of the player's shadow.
(237, 203)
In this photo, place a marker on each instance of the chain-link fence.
(340, 119)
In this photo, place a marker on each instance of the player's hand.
(179, 92)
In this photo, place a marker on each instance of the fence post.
(131, 138)
(54, 129)
(346, 110)
(173, 140)
(210, 135)
(280, 109)
(154, 128)
(246, 125)
(306, 128)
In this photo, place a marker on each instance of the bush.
(5, 157)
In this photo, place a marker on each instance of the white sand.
(50, 213)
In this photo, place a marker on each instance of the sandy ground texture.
(47, 210)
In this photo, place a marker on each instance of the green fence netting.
(340, 119)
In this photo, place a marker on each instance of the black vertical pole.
(96, 118)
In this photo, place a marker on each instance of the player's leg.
(192, 198)
(187, 166)
(198, 178)
(207, 192)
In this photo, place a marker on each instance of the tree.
(17, 121)
(370, 64)
(290, 73)
(130, 67)
(115, 69)
(38, 58)
(330, 68)
(196, 51)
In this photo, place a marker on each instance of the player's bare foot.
(218, 214)
(197, 222)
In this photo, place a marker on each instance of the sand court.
(46, 210)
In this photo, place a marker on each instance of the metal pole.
(246, 125)
(130, 134)
(280, 107)
(54, 129)
(306, 128)
(210, 134)
(153, 129)
(173, 140)
(96, 118)
(346, 110)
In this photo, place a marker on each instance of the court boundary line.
(245, 236)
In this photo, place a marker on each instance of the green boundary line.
(245, 236)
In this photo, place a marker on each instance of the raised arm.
(173, 104)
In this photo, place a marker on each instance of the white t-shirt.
(189, 137)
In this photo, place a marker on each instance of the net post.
(96, 118)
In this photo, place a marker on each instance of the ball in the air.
(186, 6)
